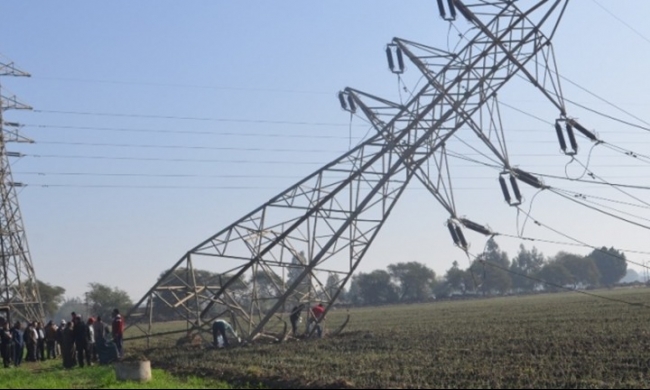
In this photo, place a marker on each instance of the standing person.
(40, 342)
(5, 344)
(92, 350)
(59, 336)
(67, 346)
(219, 328)
(118, 332)
(50, 340)
(80, 333)
(30, 337)
(316, 314)
(19, 343)
(295, 318)
(99, 328)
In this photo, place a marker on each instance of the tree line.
(491, 273)
(99, 300)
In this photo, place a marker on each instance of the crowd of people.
(77, 342)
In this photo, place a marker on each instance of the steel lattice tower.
(276, 256)
(19, 288)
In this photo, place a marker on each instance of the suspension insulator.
(504, 189)
(452, 8)
(344, 105)
(529, 179)
(515, 188)
(389, 57)
(441, 8)
(572, 137)
(452, 231)
(475, 227)
(352, 104)
(560, 136)
(400, 59)
(584, 131)
(461, 237)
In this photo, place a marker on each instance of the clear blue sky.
(275, 61)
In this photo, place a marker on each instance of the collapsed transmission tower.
(303, 245)
(19, 288)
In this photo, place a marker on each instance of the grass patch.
(51, 375)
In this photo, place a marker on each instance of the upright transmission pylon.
(303, 245)
(19, 288)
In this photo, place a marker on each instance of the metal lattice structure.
(278, 255)
(18, 286)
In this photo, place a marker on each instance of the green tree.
(611, 264)
(493, 275)
(332, 285)
(455, 278)
(373, 289)
(414, 281)
(268, 283)
(68, 306)
(583, 270)
(51, 296)
(527, 263)
(103, 299)
(556, 274)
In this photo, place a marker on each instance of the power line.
(192, 118)
(594, 182)
(244, 161)
(160, 131)
(556, 231)
(248, 134)
(155, 186)
(178, 85)
(192, 147)
(577, 244)
(251, 149)
(546, 282)
(622, 21)
(291, 162)
(167, 175)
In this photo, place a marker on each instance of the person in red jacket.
(315, 318)
(118, 332)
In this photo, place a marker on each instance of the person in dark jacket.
(67, 346)
(100, 329)
(59, 335)
(295, 318)
(30, 337)
(219, 328)
(19, 343)
(40, 341)
(80, 332)
(5, 344)
(50, 340)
